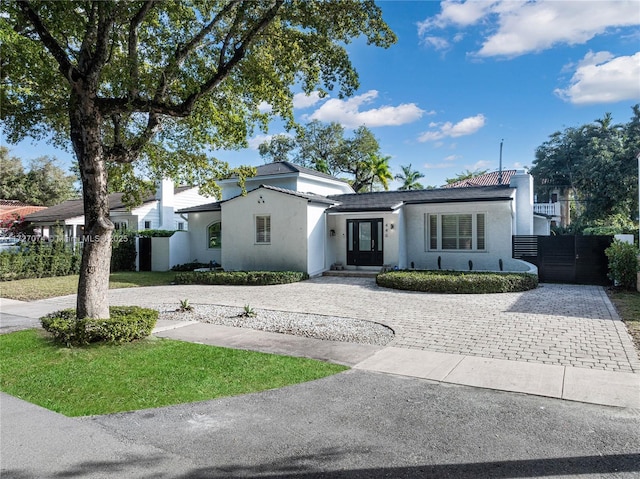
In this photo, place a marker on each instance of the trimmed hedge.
(457, 281)
(623, 264)
(40, 260)
(127, 323)
(240, 278)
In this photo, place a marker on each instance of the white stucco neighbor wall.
(337, 245)
(288, 247)
(498, 232)
(160, 254)
(541, 226)
(198, 237)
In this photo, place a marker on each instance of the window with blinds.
(263, 229)
(456, 232)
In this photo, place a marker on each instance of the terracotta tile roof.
(488, 179)
(9, 209)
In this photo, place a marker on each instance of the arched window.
(214, 235)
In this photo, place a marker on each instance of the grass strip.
(108, 378)
(627, 304)
(41, 288)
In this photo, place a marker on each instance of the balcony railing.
(549, 209)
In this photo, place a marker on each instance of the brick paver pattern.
(568, 325)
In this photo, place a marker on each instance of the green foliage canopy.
(325, 148)
(596, 165)
(44, 184)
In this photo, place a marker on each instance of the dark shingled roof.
(488, 179)
(73, 208)
(391, 200)
(284, 167)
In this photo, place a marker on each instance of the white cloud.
(481, 165)
(438, 43)
(517, 26)
(255, 142)
(436, 166)
(265, 107)
(602, 78)
(452, 158)
(302, 100)
(347, 112)
(464, 127)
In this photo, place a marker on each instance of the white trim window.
(263, 229)
(455, 232)
(214, 235)
(121, 225)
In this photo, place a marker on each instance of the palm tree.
(379, 171)
(410, 179)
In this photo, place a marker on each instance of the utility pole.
(500, 169)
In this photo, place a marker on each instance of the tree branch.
(65, 66)
(182, 52)
(134, 73)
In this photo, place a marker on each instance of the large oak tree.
(150, 86)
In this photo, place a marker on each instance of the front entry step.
(349, 273)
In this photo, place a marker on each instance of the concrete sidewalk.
(563, 382)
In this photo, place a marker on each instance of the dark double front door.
(364, 242)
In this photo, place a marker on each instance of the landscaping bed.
(457, 281)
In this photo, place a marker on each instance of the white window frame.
(209, 237)
(147, 225)
(262, 228)
(121, 225)
(478, 243)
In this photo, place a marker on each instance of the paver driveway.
(567, 325)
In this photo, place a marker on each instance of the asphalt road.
(356, 424)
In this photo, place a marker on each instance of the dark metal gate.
(144, 254)
(565, 258)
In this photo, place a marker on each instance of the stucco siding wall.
(498, 232)
(287, 249)
(319, 187)
(317, 238)
(198, 238)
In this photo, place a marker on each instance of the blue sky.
(465, 75)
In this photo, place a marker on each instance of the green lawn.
(103, 379)
(627, 304)
(41, 288)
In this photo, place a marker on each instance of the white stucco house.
(158, 211)
(294, 218)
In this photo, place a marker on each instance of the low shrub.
(457, 282)
(156, 233)
(623, 264)
(189, 266)
(241, 278)
(126, 324)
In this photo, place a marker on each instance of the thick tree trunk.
(93, 285)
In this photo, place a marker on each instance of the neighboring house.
(545, 214)
(158, 211)
(12, 211)
(294, 218)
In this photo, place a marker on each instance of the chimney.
(164, 194)
(523, 183)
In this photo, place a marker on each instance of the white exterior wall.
(288, 247)
(198, 237)
(337, 245)
(160, 254)
(498, 232)
(317, 235)
(179, 249)
(320, 186)
(186, 199)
